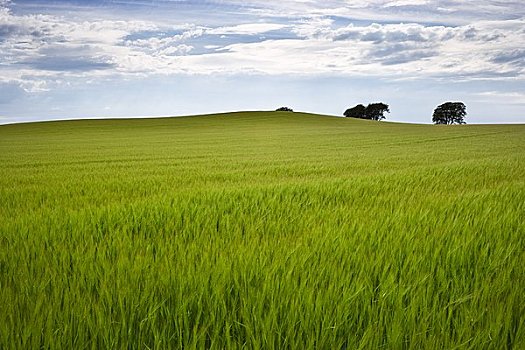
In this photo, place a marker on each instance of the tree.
(358, 111)
(374, 111)
(284, 109)
(450, 113)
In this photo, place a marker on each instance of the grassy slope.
(269, 230)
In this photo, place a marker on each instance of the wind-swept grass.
(261, 231)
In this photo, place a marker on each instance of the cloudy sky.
(117, 58)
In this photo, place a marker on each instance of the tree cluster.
(450, 113)
(374, 111)
(447, 113)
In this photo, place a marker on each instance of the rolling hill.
(261, 230)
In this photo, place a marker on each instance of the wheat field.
(261, 230)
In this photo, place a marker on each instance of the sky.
(144, 58)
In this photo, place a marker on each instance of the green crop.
(261, 230)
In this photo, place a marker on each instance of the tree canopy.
(358, 111)
(450, 113)
(374, 111)
(284, 109)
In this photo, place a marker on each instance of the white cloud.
(406, 3)
(246, 29)
(506, 97)
(39, 50)
(156, 45)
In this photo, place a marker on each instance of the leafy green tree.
(376, 111)
(284, 109)
(358, 111)
(450, 113)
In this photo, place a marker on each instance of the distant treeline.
(446, 113)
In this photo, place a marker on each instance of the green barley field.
(261, 230)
